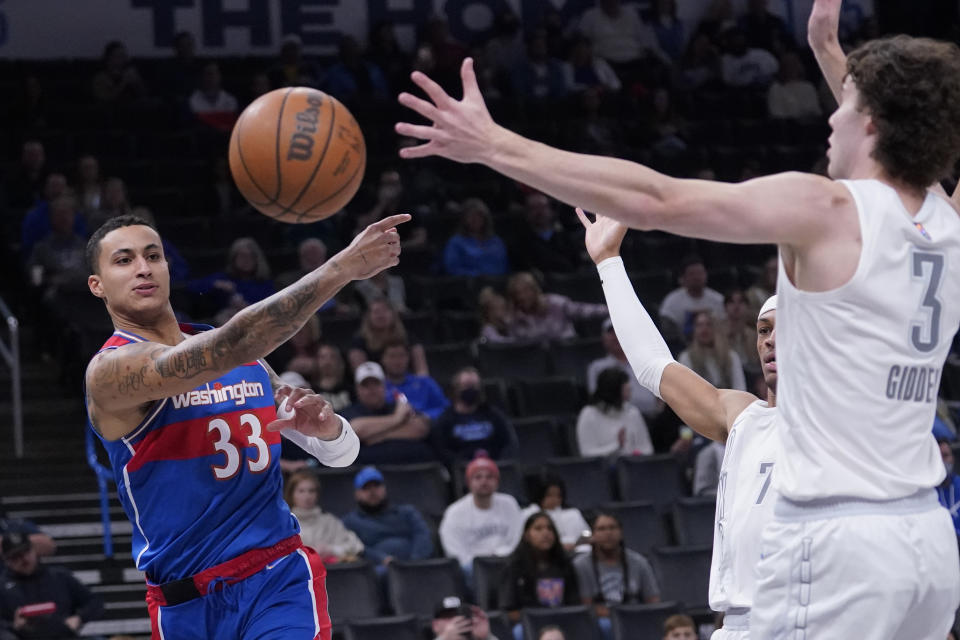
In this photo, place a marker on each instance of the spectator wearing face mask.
(471, 424)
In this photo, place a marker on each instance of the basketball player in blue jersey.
(741, 420)
(867, 304)
(188, 416)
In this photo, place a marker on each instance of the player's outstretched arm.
(120, 381)
(796, 210)
(823, 30)
(707, 410)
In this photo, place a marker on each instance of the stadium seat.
(500, 626)
(549, 396)
(339, 330)
(693, 520)
(445, 360)
(684, 574)
(537, 438)
(641, 621)
(512, 481)
(495, 390)
(442, 292)
(582, 287)
(393, 627)
(643, 527)
(572, 357)
(417, 586)
(587, 480)
(576, 622)
(353, 591)
(487, 574)
(513, 361)
(458, 326)
(425, 486)
(654, 478)
(336, 490)
(421, 326)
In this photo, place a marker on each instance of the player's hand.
(461, 130)
(312, 415)
(824, 24)
(374, 249)
(604, 236)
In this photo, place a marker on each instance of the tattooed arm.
(122, 382)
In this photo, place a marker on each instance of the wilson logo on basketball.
(301, 142)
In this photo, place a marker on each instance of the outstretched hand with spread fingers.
(462, 130)
(603, 236)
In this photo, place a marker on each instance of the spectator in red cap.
(483, 522)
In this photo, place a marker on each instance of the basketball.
(297, 154)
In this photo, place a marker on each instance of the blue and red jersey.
(200, 477)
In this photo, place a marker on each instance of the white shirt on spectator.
(570, 522)
(706, 469)
(467, 531)
(640, 397)
(620, 39)
(598, 432)
(793, 100)
(200, 102)
(754, 67)
(679, 303)
(713, 374)
(601, 68)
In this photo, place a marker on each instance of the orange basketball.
(297, 154)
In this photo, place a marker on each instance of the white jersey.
(859, 366)
(744, 505)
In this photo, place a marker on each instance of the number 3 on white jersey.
(232, 462)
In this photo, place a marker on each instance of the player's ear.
(95, 285)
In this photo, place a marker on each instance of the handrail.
(103, 477)
(11, 354)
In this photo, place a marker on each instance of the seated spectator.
(383, 286)
(551, 632)
(538, 242)
(454, 619)
(211, 104)
(292, 70)
(595, 132)
(619, 35)
(89, 183)
(384, 50)
(701, 65)
(390, 431)
(483, 522)
(610, 425)
(693, 295)
(539, 573)
(679, 627)
(66, 603)
(506, 45)
(949, 490)
(301, 350)
(649, 405)
(58, 261)
(711, 357)
(114, 203)
(584, 70)
(311, 255)
(764, 30)
(537, 76)
(670, 31)
(539, 316)
(792, 96)
(330, 378)
(388, 531)
(745, 66)
(471, 424)
(706, 469)
(495, 316)
(118, 81)
(740, 332)
(36, 224)
(392, 196)
(42, 543)
(475, 250)
(178, 74)
(422, 392)
(322, 532)
(380, 326)
(764, 287)
(353, 80)
(610, 574)
(245, 280)
(23, 186)
(551, 499)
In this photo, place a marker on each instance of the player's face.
(850, 135)
(305, 495)
(540, 535)
(133, 276)
(767, 347)
(483, 483)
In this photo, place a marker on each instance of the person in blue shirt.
(36, 224)
(388, 531)
(949, 490)
(245, 280)
(475, 249)
(422, 392)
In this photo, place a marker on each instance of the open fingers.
(419, 131)
(583, 218)
(384, 224)
(471, 89)
(421, 106)
(431, 88)
(420, 151)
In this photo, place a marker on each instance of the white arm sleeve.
(333, 453)
(643, 345)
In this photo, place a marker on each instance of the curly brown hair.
(911, 88)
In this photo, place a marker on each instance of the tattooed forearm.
(179, 363)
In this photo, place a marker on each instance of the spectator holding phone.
(458, 620)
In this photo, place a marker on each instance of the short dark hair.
(688, 261)
(93, 244)
(911, 87)
(609, 391)
(547, 481)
